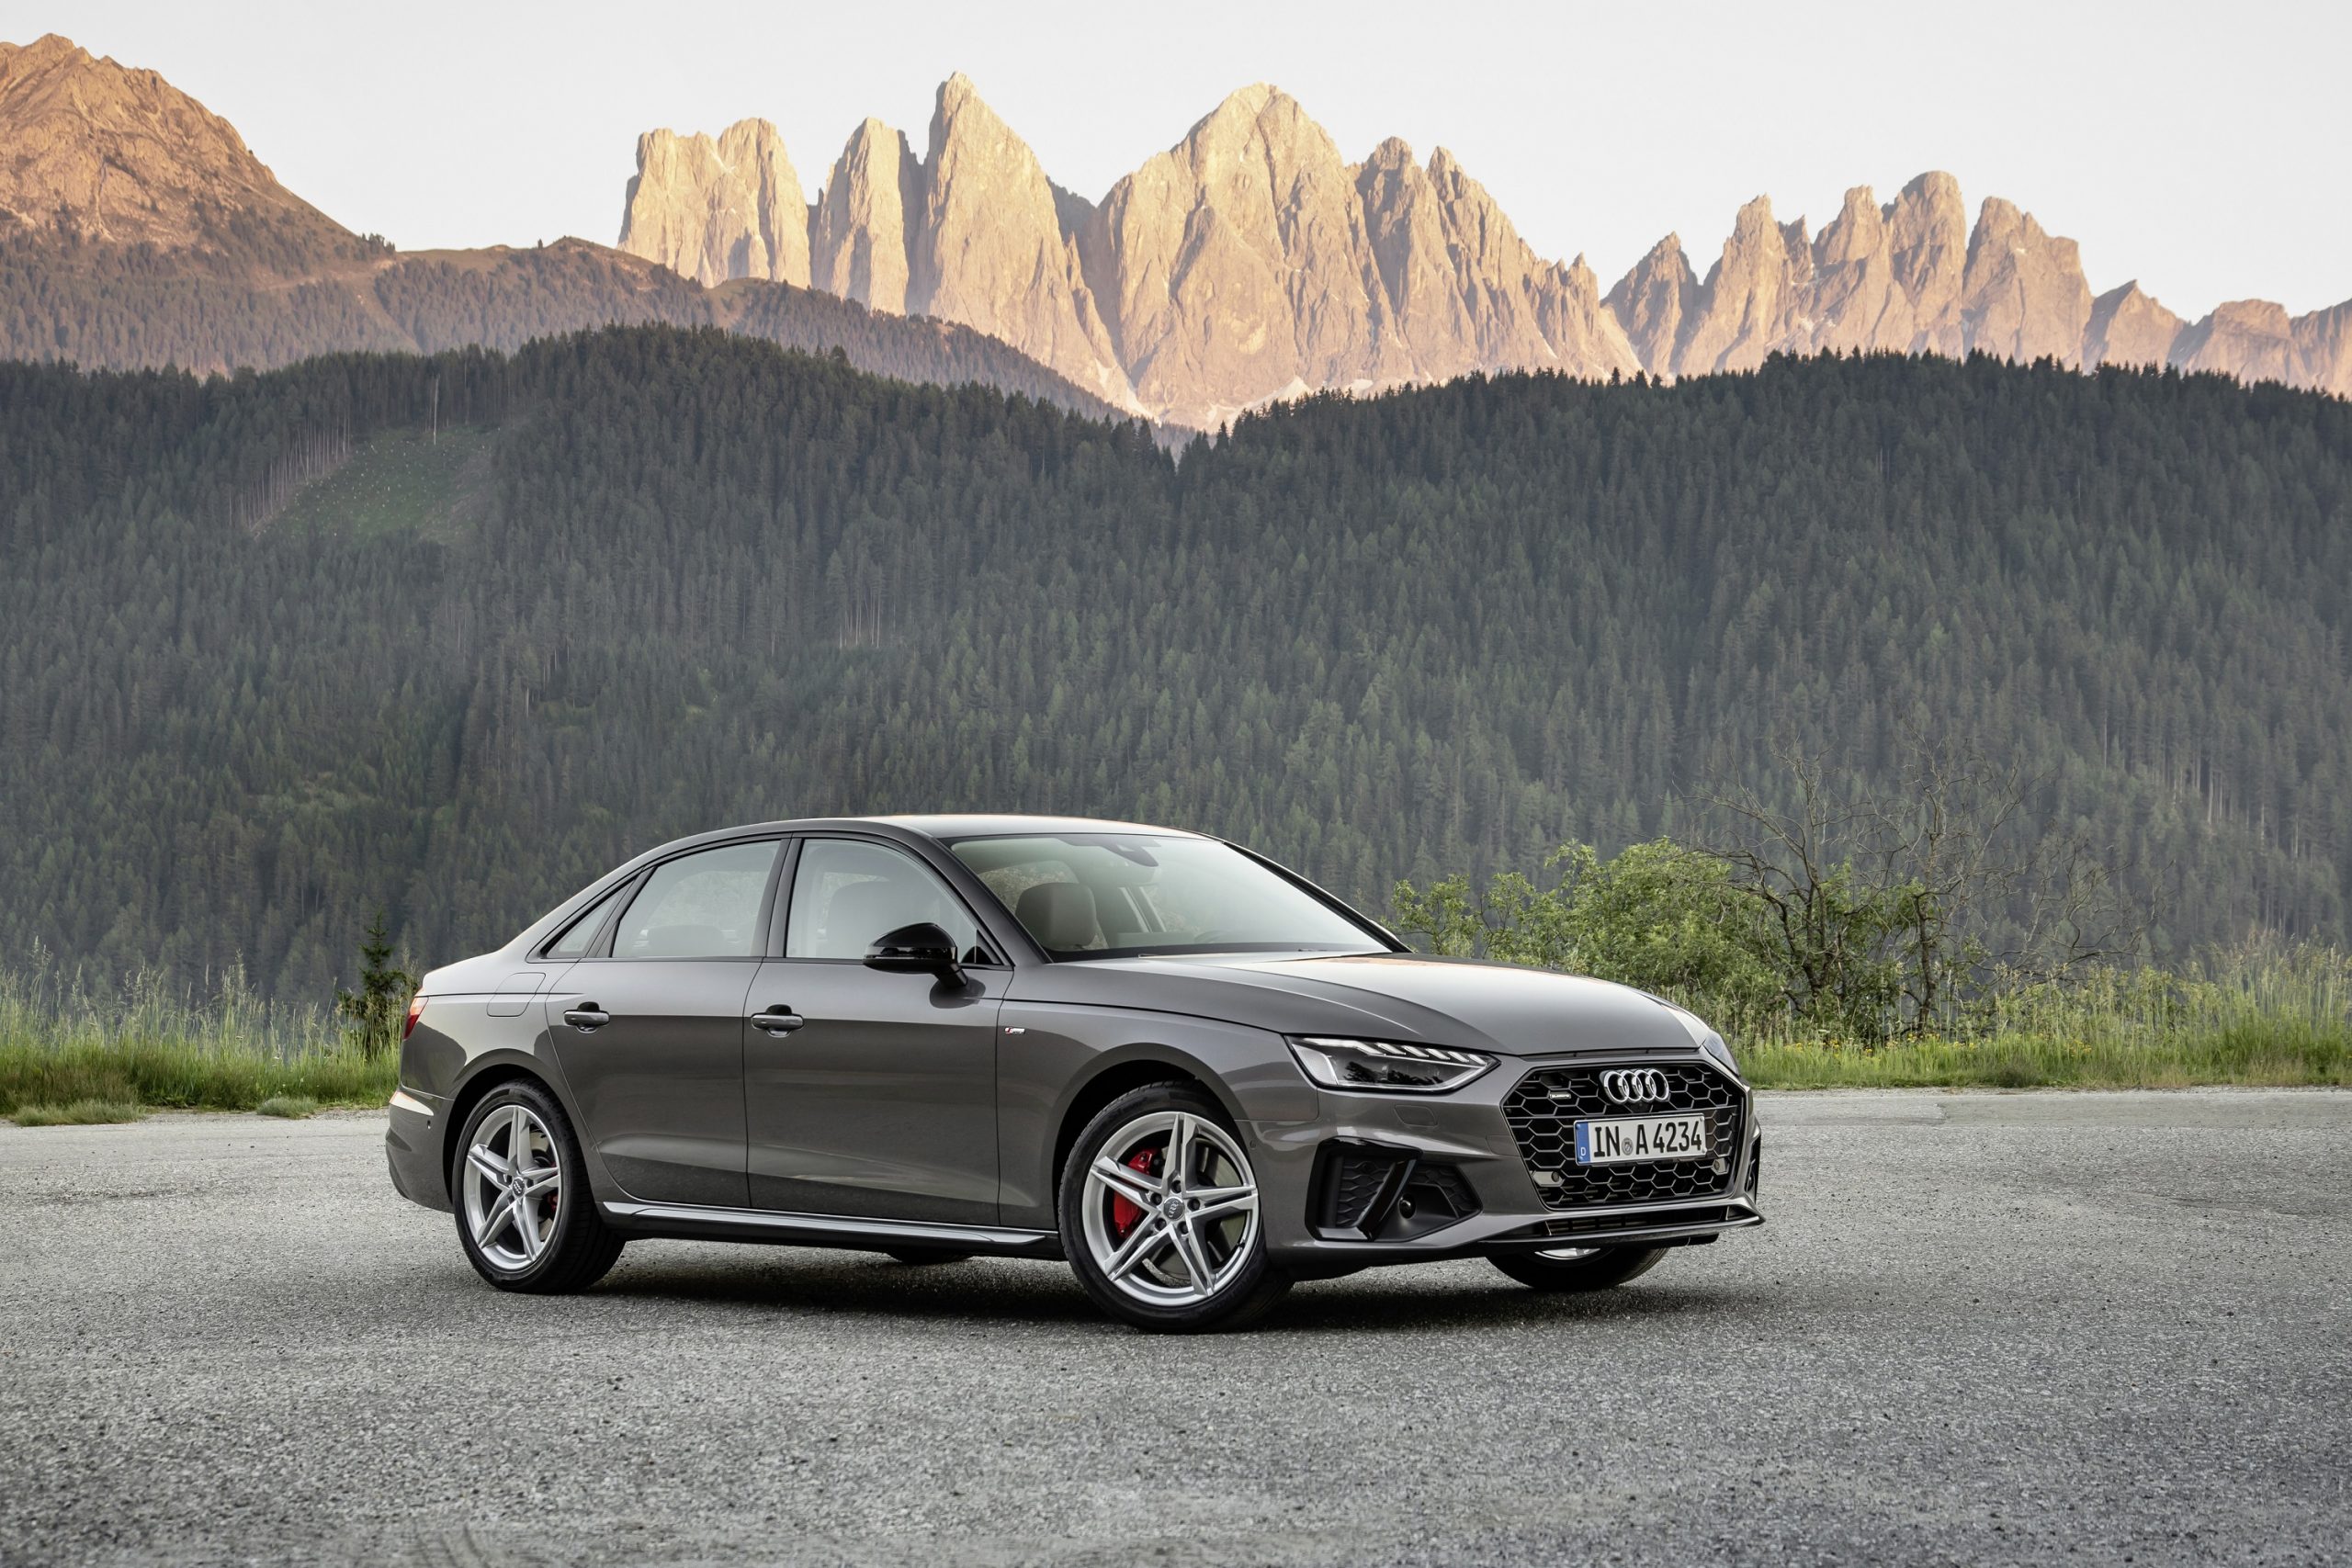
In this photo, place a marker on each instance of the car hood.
(1390, 995)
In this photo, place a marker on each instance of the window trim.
(779, 936)
(616, 896)
(601, 951)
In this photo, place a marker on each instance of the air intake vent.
(1380, 1192)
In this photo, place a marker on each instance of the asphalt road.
(1978, 1328)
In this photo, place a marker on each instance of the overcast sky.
(2201, 148)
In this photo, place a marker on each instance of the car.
(1188, 1072)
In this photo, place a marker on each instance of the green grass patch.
(293, 1107)
(143, 1045)
(76, 1114)
(196, 1074)
(398, 481)
(2258, 1019)
(2252, 1057)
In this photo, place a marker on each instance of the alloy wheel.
(514, 1187)
(1171, 1209)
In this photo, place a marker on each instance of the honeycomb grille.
(1356, 1181)
(1546, 1105)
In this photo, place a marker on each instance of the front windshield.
(1121, 895)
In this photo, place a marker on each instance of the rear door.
(881, 1103)
(649, 1027)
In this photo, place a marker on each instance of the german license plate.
(1643, 1137)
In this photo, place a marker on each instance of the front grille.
(1548, 1103)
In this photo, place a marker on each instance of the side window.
(581, 934)
(847, 893)
(704, 904)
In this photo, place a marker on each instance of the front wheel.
(524, 1215)
(1159, 1215)
(1578, 1267)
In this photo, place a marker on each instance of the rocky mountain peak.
(990, 248)
(2128, 326)
(121, 156)
(857, 233)
(2022, 293)
(712, 210)
(1651, 299)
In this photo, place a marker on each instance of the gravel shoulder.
(1979, 1328)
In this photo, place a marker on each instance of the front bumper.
(1484, 1167)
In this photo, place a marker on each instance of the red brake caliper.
(1123, 1214)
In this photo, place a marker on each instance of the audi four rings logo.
(1633, 1086)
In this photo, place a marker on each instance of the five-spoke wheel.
(1159, 1213)
(514, 1187)
(524, 1212)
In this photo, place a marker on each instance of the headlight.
(1386, 1066)
(1702, 1036)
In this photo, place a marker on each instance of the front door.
(882, 1101)
(650, 1033)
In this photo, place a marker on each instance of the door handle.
(777, 1020)
(587, 1017)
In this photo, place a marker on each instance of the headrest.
(1060, 915)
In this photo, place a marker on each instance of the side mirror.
(919, 948)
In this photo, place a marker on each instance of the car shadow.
(812, 1281)
(816, 1281)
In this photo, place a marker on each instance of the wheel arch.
(474, 1088)
(1122, 1074)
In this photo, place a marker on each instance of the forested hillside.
(246, 304)
(271, 652)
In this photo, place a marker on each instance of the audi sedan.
(1189, 1073)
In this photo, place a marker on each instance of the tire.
(553, 1242)
(1142, 1264)
(923, 1256)
(1595, 1268)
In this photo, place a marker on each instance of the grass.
(398, 481)
(2270, 1019)
(76, 1114)
(2267, 1019)
(144, 1046)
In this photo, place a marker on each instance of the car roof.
(946, 827)
(942, 826)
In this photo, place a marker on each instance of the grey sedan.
(1187, 1071)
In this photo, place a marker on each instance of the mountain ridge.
(1251, 261)
(137, 229)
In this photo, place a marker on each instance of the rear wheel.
(1578, 1267)
(525, 1216)
(1159, 1215)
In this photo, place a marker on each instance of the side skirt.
(692, 1221)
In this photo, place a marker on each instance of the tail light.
(415, 1011)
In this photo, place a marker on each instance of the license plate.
(1643, 1137)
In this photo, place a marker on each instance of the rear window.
(580, 935)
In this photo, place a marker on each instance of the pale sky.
(2201, 148)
